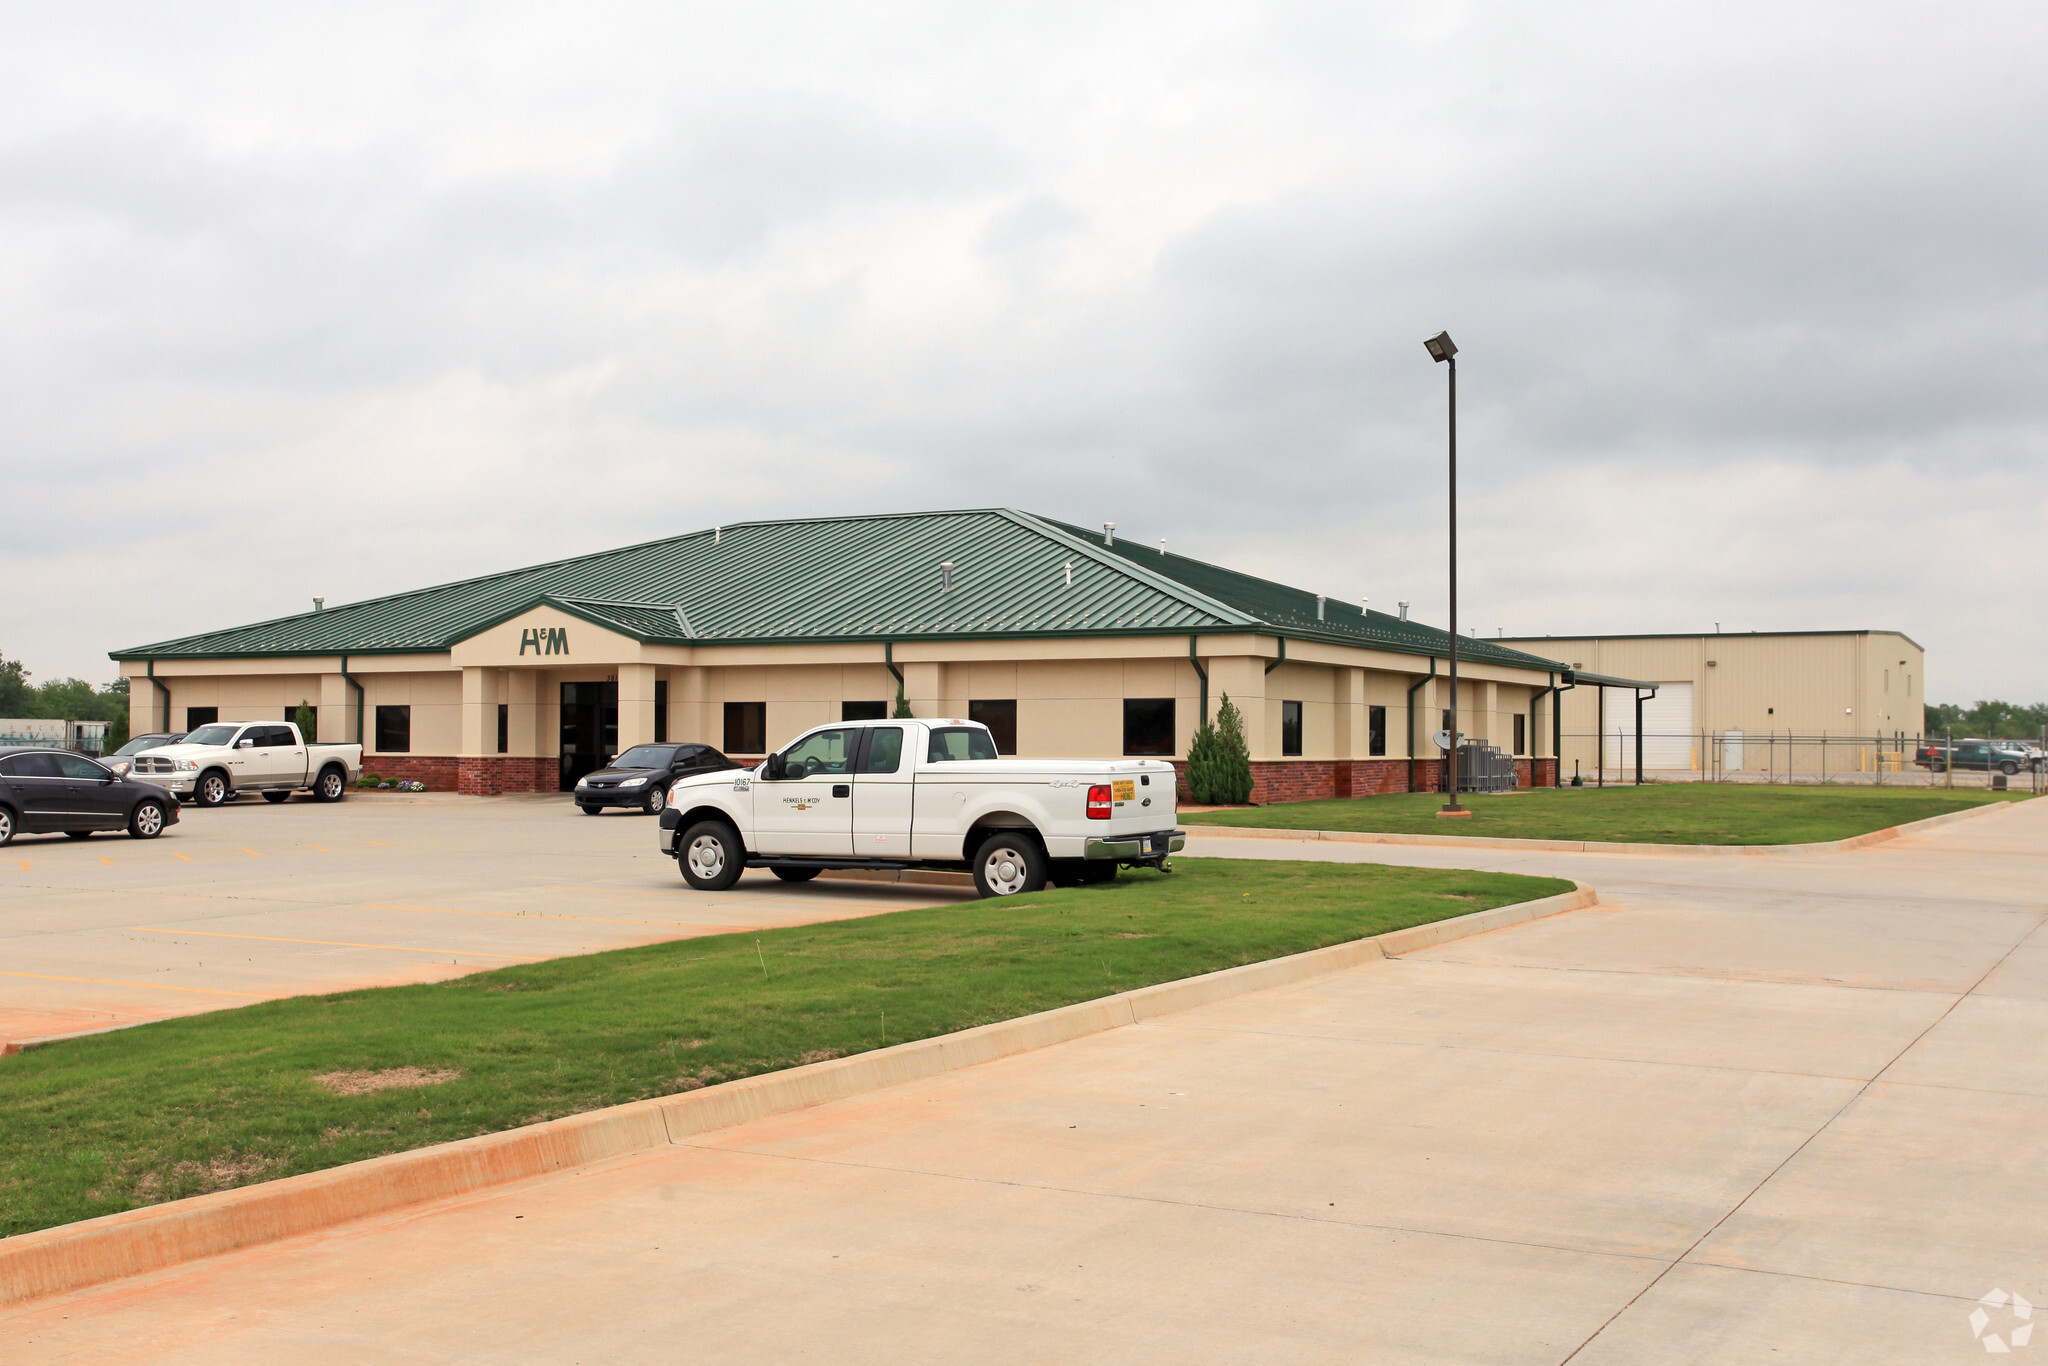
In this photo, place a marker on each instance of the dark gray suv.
(46, 790)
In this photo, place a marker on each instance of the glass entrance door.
(590, 729)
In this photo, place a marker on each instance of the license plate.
(1123, 790)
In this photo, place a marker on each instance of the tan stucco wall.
(1069, 693)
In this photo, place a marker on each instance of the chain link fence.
(1949, 761)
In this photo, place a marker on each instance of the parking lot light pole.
(1443, 350)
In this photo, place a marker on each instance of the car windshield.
(212, 735)
(960, 742)
(139, 744)
(645, 756)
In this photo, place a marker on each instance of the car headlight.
(634, 782)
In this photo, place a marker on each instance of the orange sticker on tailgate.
(1123, 790)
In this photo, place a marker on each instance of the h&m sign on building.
(544, 640)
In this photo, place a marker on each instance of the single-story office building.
(1065, 642)
(1722, 698)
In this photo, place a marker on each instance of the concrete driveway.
(251, 901)
(1748, 1110)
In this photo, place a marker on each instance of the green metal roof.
(846, 579)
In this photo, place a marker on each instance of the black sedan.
(46, 790)
(641, 776)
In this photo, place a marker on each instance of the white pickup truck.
(215, 762)
(923, 793)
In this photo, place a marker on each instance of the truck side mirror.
(246, 744)
(776, 769)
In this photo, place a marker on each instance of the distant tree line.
(1988, 720)
(64, 699)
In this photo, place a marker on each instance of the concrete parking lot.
(250, 901)
(1747, 1110)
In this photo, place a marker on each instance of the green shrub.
(1219, 764)
(1233, 757)
(303, 718)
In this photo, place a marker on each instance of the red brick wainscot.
(437, 771)
(490, 775)
(1305, 780)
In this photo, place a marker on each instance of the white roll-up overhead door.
(1668, 738)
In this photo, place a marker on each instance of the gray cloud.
(1749, 299)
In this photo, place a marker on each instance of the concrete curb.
(73, 1256)
(1863, 841)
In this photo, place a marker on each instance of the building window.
(660, 712)
(504, 728)
(394, 730)
(1376, 731)
(1290, 730)
(195, 717)
(1148, 725)
(746, 728)
(1001, 719)
(864, 711)
(1521, 733)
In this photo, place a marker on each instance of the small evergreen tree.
(309, 729)
(903, 711)
(1233, 757)
(1202, 778)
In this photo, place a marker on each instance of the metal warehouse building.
(1752, 701)
(1063, 641)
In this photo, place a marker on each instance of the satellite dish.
(1443, 739)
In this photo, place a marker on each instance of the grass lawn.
(1657, 813)
(100, 1124)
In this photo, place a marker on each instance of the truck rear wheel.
(796, 874)
(1009, 863)
(711, 856)
(332, 787)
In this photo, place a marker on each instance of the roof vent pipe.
(1109, 533)
(1364, 606)
(319, 604)
(945, 576)
(1320, 599)
(1404, 611)
(1162, 547)
(717, 534)
(1070, 573)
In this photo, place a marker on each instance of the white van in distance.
(921, 793)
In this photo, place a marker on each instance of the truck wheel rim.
(707, 856)
(214, 790)
(1004, 872)
(149, 820)
(330, 786)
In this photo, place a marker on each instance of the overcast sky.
(345, 300)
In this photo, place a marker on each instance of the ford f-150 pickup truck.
(921, 793)
(215, 762)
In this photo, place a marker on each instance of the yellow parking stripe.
(152, 986)
(330, 943)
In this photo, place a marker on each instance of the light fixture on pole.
(1443, 350)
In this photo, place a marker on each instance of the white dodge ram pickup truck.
(923, 793)
(215, 762)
